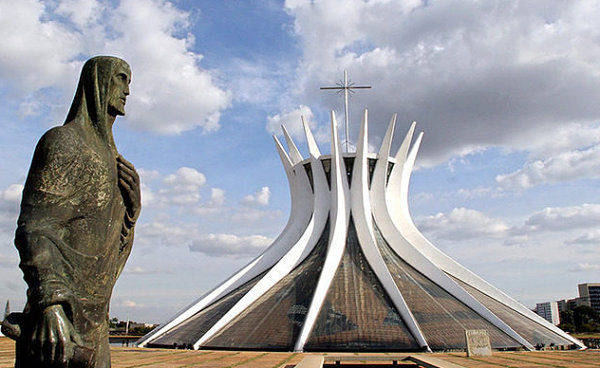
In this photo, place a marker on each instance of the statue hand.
(129, 182)
(53, 337)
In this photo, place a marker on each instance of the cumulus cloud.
(165, 233)
(181, 188)
(562, 167)
(230, 245)
(214, 205)
(463, 223)
(260, 198)
(590, 238)
(44, 46)
(12, 194)
(583, 267)
(148, 175)
(559, 225)
(36, 52)
(292, 120)
(186, 178)
(174, 93)
(472, 74)
(80, 12)
(148, 197)
(186, 192)
(564, 218)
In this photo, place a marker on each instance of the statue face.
(119, 90)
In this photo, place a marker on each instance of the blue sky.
(507, 93)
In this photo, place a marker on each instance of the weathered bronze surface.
(75, 231)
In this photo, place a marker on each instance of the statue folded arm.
(129, 184)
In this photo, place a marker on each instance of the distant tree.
(567, 323)
(586, 319)
(141, 330)
(113, 322)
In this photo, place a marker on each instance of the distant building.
(563, 305)
(577, 302)
(549, 311)
(590, 294)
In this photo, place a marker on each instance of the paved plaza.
(123, 357)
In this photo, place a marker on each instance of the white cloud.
(148, 175)
(182, 190)
(557, 225)
(260, 198)
(183, 186)
(583, 267)
(186, 178)
(563, 167)
(148, 197)
(564, 138)
(130, 304)
(472, 74)
(165, 233)
(463, 223)
(81, 12)
(230, 245)
(12, 194)
(214, 205)
(564, 218)
(247, 77)
(171, 93)
(217, 197)
(36, 52)
(592, 237)
(292, 119)
(479, 192)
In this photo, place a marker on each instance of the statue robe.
(74, 233)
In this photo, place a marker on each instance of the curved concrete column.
(397, 195)
(296, 254)
(363, 220)
(300, 214)
(339, 217)
(403, 247)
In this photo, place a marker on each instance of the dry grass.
(155, 358)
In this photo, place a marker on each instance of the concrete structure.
(590, 293)
(548, 311)
(351, 271)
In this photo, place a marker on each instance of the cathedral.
(351, 271)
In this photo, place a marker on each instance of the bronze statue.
(75, 231)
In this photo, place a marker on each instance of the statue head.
(102, 91)
(119, 89)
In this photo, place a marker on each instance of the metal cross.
(347, 88)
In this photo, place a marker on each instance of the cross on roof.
(347, 88)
